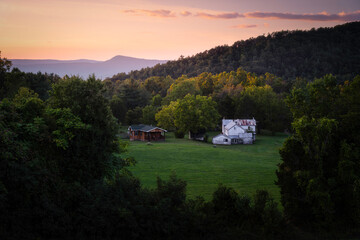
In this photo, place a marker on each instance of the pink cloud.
(185, 13)
(229, 15)
(323, 16)
(245, 26)
(152, 13)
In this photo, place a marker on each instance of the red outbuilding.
(146, 133)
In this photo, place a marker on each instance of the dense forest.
(287, 54)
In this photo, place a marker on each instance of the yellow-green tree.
(165, 117)
(192, 113)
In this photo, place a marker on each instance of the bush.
(179, 134)
(206, 138)
(266, 132)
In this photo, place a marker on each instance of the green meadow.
(203, 166)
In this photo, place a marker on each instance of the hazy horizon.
(79, 59)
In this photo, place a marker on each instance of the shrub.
(206, 138)
(266, 132)
(179, 134)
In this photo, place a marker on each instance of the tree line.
(235, 94)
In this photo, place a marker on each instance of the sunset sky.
(153, 29)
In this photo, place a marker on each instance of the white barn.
(237, 131)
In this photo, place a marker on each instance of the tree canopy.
(192, 113)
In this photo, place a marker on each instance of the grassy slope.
(243, 167)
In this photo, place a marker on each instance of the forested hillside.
(287, 54)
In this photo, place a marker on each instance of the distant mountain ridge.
(85, 67)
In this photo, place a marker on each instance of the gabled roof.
(230, 125)
(144, 128)
(226, 121)
(233, 124)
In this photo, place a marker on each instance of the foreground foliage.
(320, 173)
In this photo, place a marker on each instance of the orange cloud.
(152, 13)
(245, 26)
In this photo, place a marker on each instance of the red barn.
(146, 133)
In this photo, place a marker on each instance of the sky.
(152, 29)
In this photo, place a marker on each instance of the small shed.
(146, 133)
(221, 139)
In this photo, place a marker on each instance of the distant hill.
(84, 67)
(287, 54)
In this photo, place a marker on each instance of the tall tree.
(118, 108)
(180, 89)
(264, 105)
(319, 175)
(5, 66)
(133, 94)
(85, 99)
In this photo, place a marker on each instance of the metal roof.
(239, 122)
(245, 122)
(144, 128)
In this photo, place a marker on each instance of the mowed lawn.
(203, 166)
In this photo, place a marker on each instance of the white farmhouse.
(236, 131)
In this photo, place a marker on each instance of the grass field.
(243, 167)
